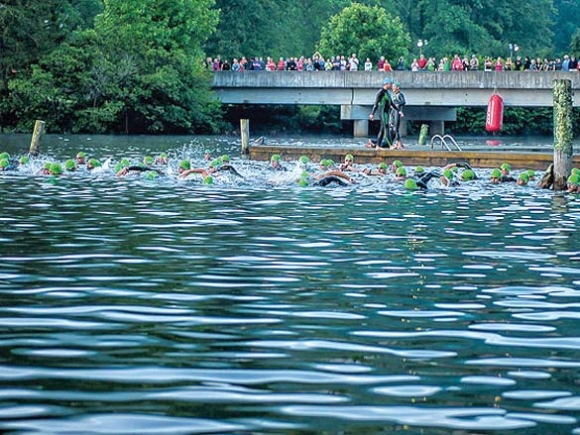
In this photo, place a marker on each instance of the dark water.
(170, 307)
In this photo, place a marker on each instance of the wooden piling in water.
(563, 135)
(36, 138)
(245, 132)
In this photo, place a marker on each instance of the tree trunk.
(563, 149)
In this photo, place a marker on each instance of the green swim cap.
(304, 160)
(185, 165)
(401, 171)
(225, 158)
(94, 163)
(411, 184)
(24, 160)
(275, 158)
(448, 173)
(531, 173)
(303, 182)
(118, 167)
(125, 161)
(496, 173)
(151, 175)
(148, 160)
(207, 152)
(208, 180)
(70, 165)
(4, 155)
(575, 171)
(419, 170)
(55, 169)
(216, 162)
(349, 157)
(163, 156)
(506, 167)
(574, 179)
(304, 174)
(4, 163)
(46, 165)
(524, 177)
(81, 155)
(398, 163)
(324, 163)
(330, 162)
(382, 165)
(467, 175)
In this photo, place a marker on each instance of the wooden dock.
(412, 156)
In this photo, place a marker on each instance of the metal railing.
(444, 142)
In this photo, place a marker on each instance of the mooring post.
(245, 131)
(563, 136)
(36, 138)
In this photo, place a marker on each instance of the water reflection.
(130, 307)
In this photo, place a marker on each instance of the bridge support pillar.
(437, 127)
(361, 128)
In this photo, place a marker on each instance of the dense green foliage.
(105, 66)
(375, 34)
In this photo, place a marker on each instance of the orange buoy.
(494, 118)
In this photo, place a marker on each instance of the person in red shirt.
(422, 62)
(281, 64)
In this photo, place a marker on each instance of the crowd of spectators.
(422, 63)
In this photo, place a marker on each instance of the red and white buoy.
(494, 118)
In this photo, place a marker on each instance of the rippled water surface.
(170, 307)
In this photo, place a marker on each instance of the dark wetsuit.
(397, 103)
(330, 179)
(230, 169)
(507, 179)
(424, 179)
(383, 106)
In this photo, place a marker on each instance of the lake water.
(134, 306)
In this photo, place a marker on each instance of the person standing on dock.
(397, 104)
(383, 106)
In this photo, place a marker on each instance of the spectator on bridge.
(473, 63)
(573, 65)
(368, 64)
(401, 64)
(487, 64)
(281, 64)
(415, 65)
(270, 65)
(353, 63)
(226, 65)
(518, 65)
(381, 64)
(457, 64)
(235, 65)
(387, 67)
(422, 62)
(291, 64)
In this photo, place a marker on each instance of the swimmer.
(381, 170)
(207, 155)
(573, 183)
(348, 164)
(275, 164)
(81, 158)
(523, 179)
(401, 174)
(448, 179)
(161, 159)
(70, 165)
(137, 169)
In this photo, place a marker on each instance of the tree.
(364, 30)
(169, 90)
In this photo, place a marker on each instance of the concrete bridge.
(431, 96)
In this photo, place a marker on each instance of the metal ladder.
(443, 139)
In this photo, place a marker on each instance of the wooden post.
(36, 138)
(563, 149)
(245, 131)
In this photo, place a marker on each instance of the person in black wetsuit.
(383, 106)
(397, 104)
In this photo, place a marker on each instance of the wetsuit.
(383, 106)
(424, 179)
(330, 179)
(231, 169)
(397, 103)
